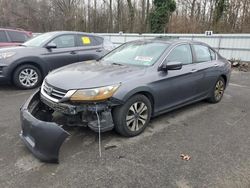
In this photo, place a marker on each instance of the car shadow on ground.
(8, 87)
(83, 139)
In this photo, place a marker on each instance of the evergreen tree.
(161, 14)
(220, 8)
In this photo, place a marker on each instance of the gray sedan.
(123, 90)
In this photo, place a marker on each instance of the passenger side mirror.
(51, 45)
(170, 66)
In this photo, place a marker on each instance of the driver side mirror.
(170, 66)
(51, 45)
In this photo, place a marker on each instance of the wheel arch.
(149, 96)
(225, 78)
(37, 65)
(146, 92)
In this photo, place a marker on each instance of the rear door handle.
(216, 65)
(193, 70)
(73, 53)
(99, 50)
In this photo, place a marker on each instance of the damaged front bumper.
(44, 137)
(87, 110)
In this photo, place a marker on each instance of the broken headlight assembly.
(94, 94)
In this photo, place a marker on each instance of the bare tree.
(110, 16)
(131, 15)
(67, 9)
(127, 16)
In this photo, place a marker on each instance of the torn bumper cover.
(43, 134)
(42, 138)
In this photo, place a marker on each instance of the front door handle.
(193, 70)
(216, 65)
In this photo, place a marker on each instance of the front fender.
(36, 61)
(123, 94)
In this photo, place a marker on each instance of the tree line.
(130, 16)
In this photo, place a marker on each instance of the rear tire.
(218, 91)
(27, 77)
(133, 117)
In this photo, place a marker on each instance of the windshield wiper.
(99, 59)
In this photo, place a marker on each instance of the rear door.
(89, 47)
(176, 87)
(205, 61)
(65, 52)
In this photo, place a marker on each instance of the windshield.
(143, 53)
(39, 40)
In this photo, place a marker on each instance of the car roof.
(173, 41)
(10, 29)
(73, 32)
(177, 41)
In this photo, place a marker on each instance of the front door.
(65, 52)
(177, 87)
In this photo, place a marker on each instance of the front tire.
(218, 91)
(133, 117)
(27, 77)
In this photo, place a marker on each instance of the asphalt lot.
(217, 137)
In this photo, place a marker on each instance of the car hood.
(17, 49)
(91, 74)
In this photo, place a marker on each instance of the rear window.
(99, 40)
(17, 36)
(3, 37)
(86, 40)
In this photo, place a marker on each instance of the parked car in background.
(13, 37)
(28, 64)
(123, 90)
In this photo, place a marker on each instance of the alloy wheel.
(28, 77)
(137, 116)
(219, 90)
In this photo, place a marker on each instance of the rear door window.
(3, 37)
(64, 41)
(181, 54)
(202, 53)
(99, 40)
(17, 36)
(86, 40)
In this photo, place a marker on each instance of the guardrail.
(231, 46)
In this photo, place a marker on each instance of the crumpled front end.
(42, 120)
(42, 137)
